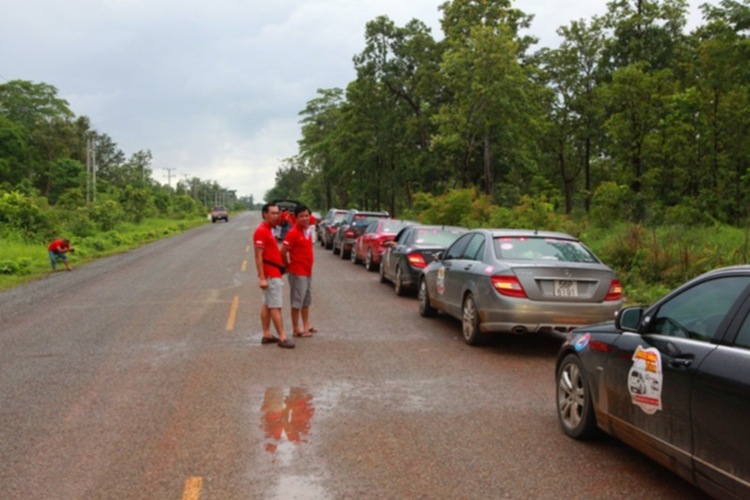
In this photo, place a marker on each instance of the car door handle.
(466, 268)
(681, 362)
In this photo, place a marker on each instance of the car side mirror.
(629, 318)
(439, 255)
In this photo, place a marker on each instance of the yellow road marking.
(233, 313)
(247, 248)
(244, 265)
(193, 486)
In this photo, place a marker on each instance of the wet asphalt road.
(142, 376)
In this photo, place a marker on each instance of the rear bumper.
(531, 317)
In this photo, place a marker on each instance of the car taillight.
(416, 259)
(509, 286)
(331, 229)
(615, 291)
(349, 233)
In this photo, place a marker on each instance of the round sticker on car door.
(645, 380)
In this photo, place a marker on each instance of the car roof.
(497, 233)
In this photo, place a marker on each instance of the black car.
(326, 228)
(411, 250)
(672, 380)
(355, 222)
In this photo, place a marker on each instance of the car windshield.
(436, 236)
(532, 248)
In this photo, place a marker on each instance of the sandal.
(286, 343)
(268, 340)
(312, 330)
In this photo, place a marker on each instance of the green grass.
(22, 262)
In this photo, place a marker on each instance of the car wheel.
(383, 279)
(470, 321)
(353, 256)
(425, 308)
(574, 407)
(213, 221)
(369, 264)
(399, 282)
(335, 248)
(342, 253)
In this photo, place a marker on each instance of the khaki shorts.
(300, 291)
(272, 295)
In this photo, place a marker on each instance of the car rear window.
(338, 216)
(442, 237)
(392, 227)
(532, 248)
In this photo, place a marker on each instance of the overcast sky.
(212, 88)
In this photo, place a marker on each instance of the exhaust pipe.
(519, 330)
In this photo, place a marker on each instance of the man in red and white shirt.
(270, 268)
(297, 253)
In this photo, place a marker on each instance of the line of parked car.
(671, 380)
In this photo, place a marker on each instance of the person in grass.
(57, 251)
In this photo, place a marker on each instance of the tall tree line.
(630, 110)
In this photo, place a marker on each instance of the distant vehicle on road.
(219, 213)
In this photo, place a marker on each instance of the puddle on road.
(286, 418)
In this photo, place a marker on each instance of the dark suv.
(219, 213)
(327, 227)
(354, 224)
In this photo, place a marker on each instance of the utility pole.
(169, 176)
(91, 168)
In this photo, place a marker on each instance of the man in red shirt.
(57, 250)
(297, 253)
(270, 268)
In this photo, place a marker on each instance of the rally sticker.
(441, 281)
(645, 380)
(582, 342)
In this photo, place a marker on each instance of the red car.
(368, 247)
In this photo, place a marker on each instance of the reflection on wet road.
(285, 418)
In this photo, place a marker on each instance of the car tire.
(353, 256)
(470, 320)
(398, 282)
(425, 308)
(327, 245)
(342, 253)
(383, 279)
(575, 410)
(213, 221)
(335, 248)
(369, 264)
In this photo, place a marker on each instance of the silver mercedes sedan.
(519, 281)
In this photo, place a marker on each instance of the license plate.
(566, 288)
